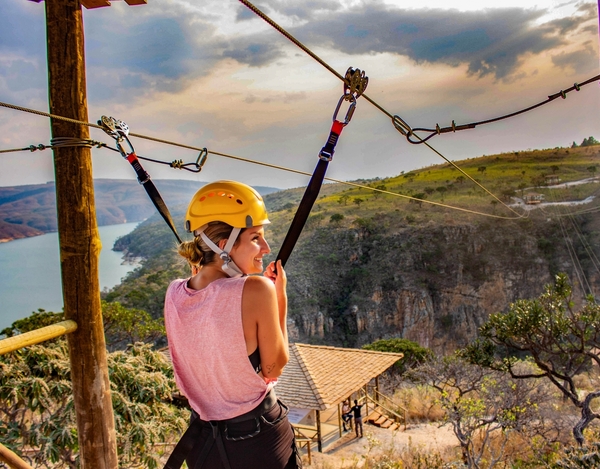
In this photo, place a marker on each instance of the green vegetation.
(561, 340)
(413, 352)
(38, 416)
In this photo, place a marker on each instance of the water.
(30, 272)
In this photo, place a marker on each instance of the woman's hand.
(277, 276)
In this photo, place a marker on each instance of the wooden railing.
(17, 342)
(376, 400)
(306, 435)
(40, 335)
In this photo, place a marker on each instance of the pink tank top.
(206, 341)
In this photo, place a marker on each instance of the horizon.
(221, 78)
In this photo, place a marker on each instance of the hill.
(373, 265)
(30, 210)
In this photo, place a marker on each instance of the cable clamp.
(576, 86)
(33, 148)
(177, 164)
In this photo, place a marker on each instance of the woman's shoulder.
(258, 285)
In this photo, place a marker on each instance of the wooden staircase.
(381, 420)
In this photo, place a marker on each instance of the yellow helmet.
(234, 203)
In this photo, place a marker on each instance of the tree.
(592, 169)
(36, 320)
(442, 190)
(413, 352)
(554, 168)
(380, 187)
(126, 326)
(561, 341)
(122, 326)
(507, 194)
(481, 405)
(589, 142)
(481, 169)
(37, 412)
(418, 198)
(357, 201)
(343, 199)
(336, 218)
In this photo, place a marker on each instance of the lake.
(30, 272)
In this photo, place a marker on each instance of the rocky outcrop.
(435, 285)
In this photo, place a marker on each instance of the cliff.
(434, 284)
(372, 265)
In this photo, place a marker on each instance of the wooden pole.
(12, 459)
(339, 414)
(319, 432)
(37, 336)
(78, 237)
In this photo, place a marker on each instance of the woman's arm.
(264, 303)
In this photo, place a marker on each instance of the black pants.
(274, 447)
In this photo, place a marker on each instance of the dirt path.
(350, 452)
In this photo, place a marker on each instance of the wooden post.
(78, 237)
(319, 432)
(339, 414)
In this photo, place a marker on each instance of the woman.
(228, 338)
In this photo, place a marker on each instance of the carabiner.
(201, 159)
(122, 150)
(349, 112)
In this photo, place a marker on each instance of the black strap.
(308, 199)
(152, 191)
(185, 445)
(311, 193)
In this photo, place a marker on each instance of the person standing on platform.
(358, 422)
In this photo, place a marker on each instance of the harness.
(190, 442)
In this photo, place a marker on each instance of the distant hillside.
(371, 265)
(31, 210)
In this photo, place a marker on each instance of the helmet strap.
(228, 266)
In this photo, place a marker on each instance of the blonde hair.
(197, 252)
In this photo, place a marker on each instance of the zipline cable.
(577, 267)
(330, 179)
(233, 157)
(589, 251)
(398, 122)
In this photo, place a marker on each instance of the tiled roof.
(319, 377)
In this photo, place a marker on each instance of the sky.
(209, 73)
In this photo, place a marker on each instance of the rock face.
(433, 284)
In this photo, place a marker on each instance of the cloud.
(304, 9)
(254, 54)
(490, 41)
(581, 61)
